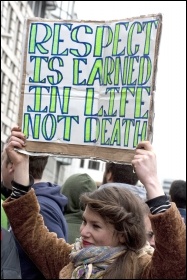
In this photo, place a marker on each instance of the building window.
(92, 164)
(82, 163)
(38, 8)
(64, 10)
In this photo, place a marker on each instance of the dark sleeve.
(159, 204)
(18, 190)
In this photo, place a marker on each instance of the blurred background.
(169, 137)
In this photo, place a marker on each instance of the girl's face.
(96, 232)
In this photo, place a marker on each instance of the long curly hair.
(125, 211)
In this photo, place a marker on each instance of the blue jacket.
(183, 213)
(10, 264)
(52, 204)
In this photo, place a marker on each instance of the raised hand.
(20, 161)
(145, 166)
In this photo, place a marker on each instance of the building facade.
(13, 14)
(166, 185)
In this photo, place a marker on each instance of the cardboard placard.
(88, 87)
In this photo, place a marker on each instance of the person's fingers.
(14, 139)
(138, 160)
(18, 134)
(14, 144)
(145, 145)
(16, 128)
(16, 131)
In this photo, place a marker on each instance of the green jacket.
(4, 220)
(73, 187)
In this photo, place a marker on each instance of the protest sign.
(87, 87)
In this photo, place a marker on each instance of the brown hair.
(37, 165)
(121, 208)
(121, 173)
(178, 193)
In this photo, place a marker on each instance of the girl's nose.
(84, 230)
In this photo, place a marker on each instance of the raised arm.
(19, 160)
(145, 166)
(49, 253)
(169, 259)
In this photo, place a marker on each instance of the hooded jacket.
(137, 190)
(73, 187)
(5, 193)
(183, 214)
(52, 204)
(4, 220)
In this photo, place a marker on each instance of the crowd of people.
(118, 230)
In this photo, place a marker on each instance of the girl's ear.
(109, 177)
(121, 238)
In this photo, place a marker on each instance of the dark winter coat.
(10, 265)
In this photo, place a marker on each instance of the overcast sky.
(169, 138)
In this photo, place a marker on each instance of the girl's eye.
(83, 222)
(149, 234)
(96, 226)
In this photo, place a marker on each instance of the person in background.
(122, 175)
(4, 220)
(72, 188)
(113, 239)
(51, 202)
(177, 194)
(10, 263)
(148, 228)
(5, 193)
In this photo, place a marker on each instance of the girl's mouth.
(86, 243)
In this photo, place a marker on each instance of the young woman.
(113, 239)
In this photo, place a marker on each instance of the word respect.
(119, 39)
